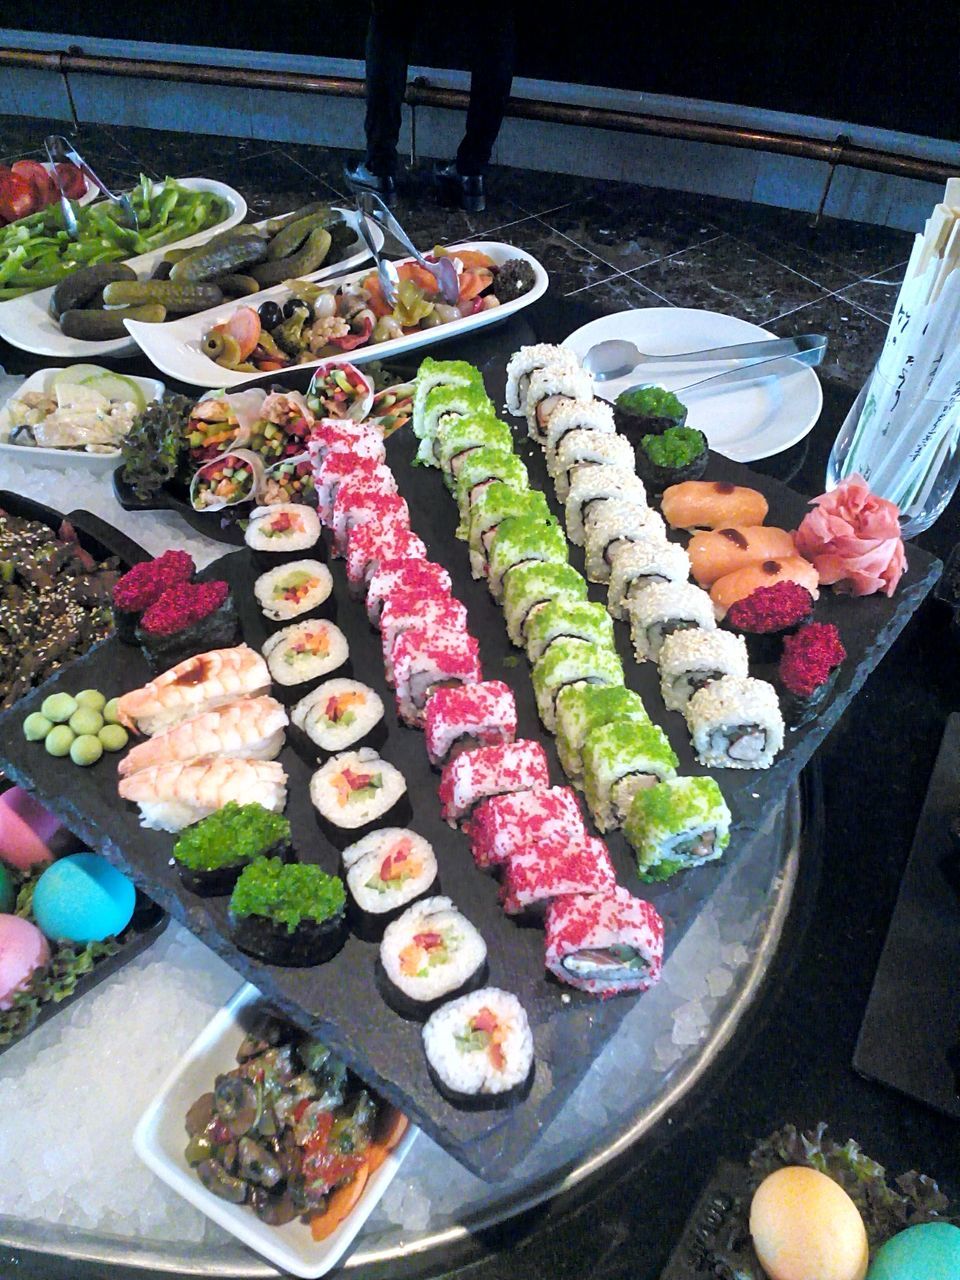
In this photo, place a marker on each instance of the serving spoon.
(617, 357)
(443, 270)
(58, 150)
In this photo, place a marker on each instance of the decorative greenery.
(154, 447)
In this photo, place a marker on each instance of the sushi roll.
(621, 758)
(529, 587)
(480, 1047)
(143, 585)
(571, 662)
(386, 871)
(176, 793)
(464, 717)
(716, 552)
(414, 573)
(568, 620)
(736, 723)
(553, 869)
(360, 503)
(430, 952)
(356, 790)
(412, 611)
(519, 540)
(458, 438)
(588, 448)
(425, 659)
(189, 618)
(591, 487)
(305, 651)
(211, 854)
(294, 589)
(339, 468)
(498, 502)
(690, 660)
(808, 670)
(635, 565)
(712, 504)
(472, 776)
(575, 415)
(481, 468)
(343, 435)
(440, 373)
(604, 943)
(289, 914)
(340, 714)
(662, 609)
(678, 454)
(549, 389)
(282, 529)
(505, 825)
(740, 584)
(523, 364)
(643, 411)
(370, 544)
(583, 708)
(448, 401)
(680, 823)
(614, 524)
(767, 616)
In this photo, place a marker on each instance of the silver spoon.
(58, 149)
(443, 270)
(616, 357)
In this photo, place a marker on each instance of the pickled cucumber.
(81, 288)
(234, 286)
(174, 295)
(309, 258)
(290, 239)
(101, 326)
(285, 219)
(207, 263)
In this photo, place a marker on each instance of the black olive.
(291, 308)
(270, 315)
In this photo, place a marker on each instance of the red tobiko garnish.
(770, 609)
(145, 583)
(809, 657)
(182, 605)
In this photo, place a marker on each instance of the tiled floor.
(613, 245)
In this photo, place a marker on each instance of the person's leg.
(491, 75)
(388, 49)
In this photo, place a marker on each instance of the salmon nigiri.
(177, 793)
(251, 728)
(195, 685)
(720, 551)
(712, 504)
(742, 582)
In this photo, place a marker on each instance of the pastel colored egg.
(29, 835)
(82, 898)
(23, 949)
(804, 1225)
(929, 1251)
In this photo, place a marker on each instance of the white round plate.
(745, 418)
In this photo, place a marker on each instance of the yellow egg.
(806, 1227)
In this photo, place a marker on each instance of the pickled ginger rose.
(852, 538)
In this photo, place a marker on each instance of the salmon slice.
(717, 552)
(765, 573)
(712, 504)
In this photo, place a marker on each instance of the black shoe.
(465, 189)
(360, 178)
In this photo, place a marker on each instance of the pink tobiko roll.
(23, 950)
(30, 836)
(852, 538)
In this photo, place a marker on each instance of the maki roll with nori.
(357, 790)
(584, 707)
(675, 455)
(768, 615)
(189, 618)
(568, 620)
(293, 590)
(604, 943)
(519, 540)
(496, 503)
(305, 651)
(529, 587)
(690, 660)
(571, 662)
(288, 913)
(340, 714)
(644, 411)
(386, 871)
(619, 759)
(736, 723)
(676, 824)
(808, 670)
(480, 1046)
(211, 854)
(282, 529)
(143, 585)
(430, 952)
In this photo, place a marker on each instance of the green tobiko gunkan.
(236, 833)
(677, 447)
(287, 893)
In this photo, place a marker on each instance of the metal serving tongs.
(370, 205)
(58, 150)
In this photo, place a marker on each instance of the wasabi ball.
(110, 711)
(92, 698)
(59, 707)
(86, 721)
(59, 740)
(114, 737)
(87, 749)
(36, 727)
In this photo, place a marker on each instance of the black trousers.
(389, 39)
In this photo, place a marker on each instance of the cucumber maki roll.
(498, 502)
(211, 854)
(679, 453)
(480, 1046)
(529, 587)
(288, 914)
(519, 540)
(386, 871)
(457, 438)
(679, 823)
(430, 952)
(644, 411)
(583, 708)
(481, 468)
(571, 662)
(619, 759)
(453, 402)
(567, 620)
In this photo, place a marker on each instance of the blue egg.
(930, 1251)
(83, 899)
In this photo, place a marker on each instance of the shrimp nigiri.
(177, 793)
(712, 504)
(195, 685)
(720, 551)
(739, 584)
(251, 728)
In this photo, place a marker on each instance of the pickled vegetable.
(174, 295)
(206, 263)
(236, 286)
(289, 240)
(80, 289)
(103, 326)
(309, 258)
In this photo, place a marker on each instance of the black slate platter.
(910, 1038)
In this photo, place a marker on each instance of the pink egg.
(30, 836)
(23, 948)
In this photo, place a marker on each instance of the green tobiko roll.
(680, 823)
(479, 469)
(288, 913)
(583, 708)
